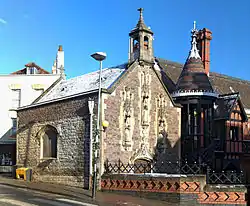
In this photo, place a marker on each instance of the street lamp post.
(91, 108)
(98, 56)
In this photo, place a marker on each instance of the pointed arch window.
(145, 42)
(48, 142)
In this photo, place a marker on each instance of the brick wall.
(178, 190)
(71, 119)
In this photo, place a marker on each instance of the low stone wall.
(182, 189)
(75, 181)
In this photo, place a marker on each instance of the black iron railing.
(225, 177)
(182, 167)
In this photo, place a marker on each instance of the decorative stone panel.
(145, 87)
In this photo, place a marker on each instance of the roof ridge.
(212, 72)
(96, 71)
(170, 61)
(231, 77)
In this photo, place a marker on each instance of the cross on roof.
(140, 10)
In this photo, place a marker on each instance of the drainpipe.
(91, 107)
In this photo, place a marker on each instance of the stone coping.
(225, 188)
(146, 176)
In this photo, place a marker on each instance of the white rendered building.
(18, 89)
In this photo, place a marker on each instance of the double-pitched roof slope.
(222, 84)
(170, 72)
(84, 83)
(225, 105)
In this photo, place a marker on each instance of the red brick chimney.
(204, 38)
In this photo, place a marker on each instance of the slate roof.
(31, 64)
(221, 83)
(84, 83)
(225, 104)
(193, 77)
(169, 74)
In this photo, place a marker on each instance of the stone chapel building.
(150, 104)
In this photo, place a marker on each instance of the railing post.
(207, 175)
(119, 166)
(106, 166)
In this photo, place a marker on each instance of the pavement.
(22, 193)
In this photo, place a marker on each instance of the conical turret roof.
(193, 79)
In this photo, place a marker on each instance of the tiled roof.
(84, 83)
(225, 104)
(171, 71)
(193, 77)
(222, 84)
(31, 64)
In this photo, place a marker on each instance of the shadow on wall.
(30, 125)
(83, 148)
(165, 152)
(22, 129)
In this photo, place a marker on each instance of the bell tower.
(141, 42)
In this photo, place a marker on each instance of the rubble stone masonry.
(71, 119)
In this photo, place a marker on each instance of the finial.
(194, 51)
(140, 10)
(194, 25)
(141, 15)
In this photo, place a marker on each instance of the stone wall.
(144, 123)
(176, 189)
(71, 119)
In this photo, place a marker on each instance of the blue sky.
(32, 30)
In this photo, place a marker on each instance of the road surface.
(10, 196)
(17, 196)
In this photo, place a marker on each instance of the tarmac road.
(20, 193)
(10, 196)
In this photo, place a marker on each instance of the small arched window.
(48, 140)
(135, 45)
(145, 42)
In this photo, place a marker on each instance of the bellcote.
(141, 42)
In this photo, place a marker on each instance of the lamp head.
(99, 56)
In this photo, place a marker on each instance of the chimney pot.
(60, 48)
